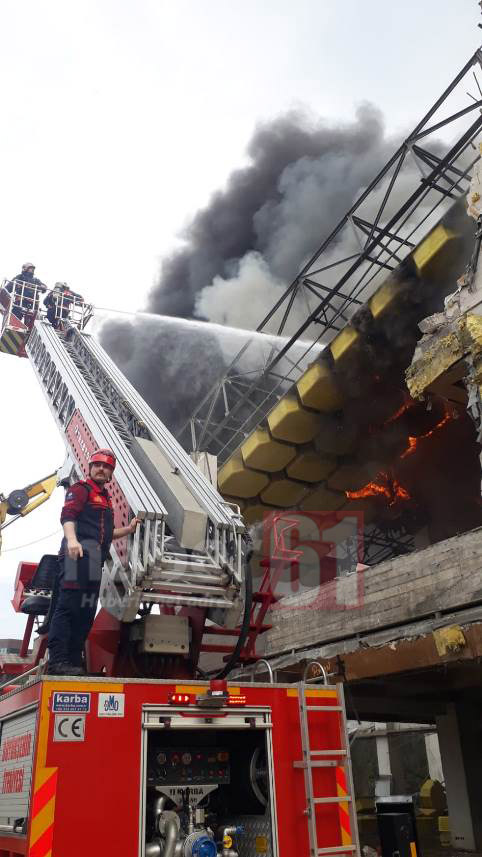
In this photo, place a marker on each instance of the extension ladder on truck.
(333, 757)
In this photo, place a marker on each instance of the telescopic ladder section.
(335, 758)
(188, 550)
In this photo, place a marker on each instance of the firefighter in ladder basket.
(88, 522)
(59, 302)
(25, 288)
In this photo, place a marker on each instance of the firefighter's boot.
(64, 669)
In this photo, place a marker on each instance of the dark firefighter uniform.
(59, 303)
(90, 508)
(25, 289)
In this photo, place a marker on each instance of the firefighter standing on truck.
(88, 521)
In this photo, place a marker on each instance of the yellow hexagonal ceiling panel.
(431, 254)
(263, 453)
(318, 389)
(323, 500)
(236, 480)
(283, 493)
(255, 514)
(291, 422)
(343, 344)
(335, 438)
(310, 466)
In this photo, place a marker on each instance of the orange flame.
(414, 441)
(407, 404)
(390, 489)
(385, 484)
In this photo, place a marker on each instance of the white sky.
(120, 118)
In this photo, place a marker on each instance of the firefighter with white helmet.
(87, 518)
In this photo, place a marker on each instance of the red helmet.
(103, 456)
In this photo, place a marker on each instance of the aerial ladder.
(152, 760)
(186, 564)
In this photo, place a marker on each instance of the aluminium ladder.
(324, 758)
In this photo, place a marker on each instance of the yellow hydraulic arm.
(21, 502)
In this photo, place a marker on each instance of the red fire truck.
(143, 759)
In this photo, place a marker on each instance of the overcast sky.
(121, 117)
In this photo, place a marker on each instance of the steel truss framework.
(383, 544)
(385, 223)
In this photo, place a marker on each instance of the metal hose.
(169, 829)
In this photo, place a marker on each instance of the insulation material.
(440, 354)
(450, 640)
(472, 334)
(474, 196)
(438, 351)
(263, 453)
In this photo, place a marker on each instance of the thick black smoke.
(301, 178)
(171, 368)
(242, 250)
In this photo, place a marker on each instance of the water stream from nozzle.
(219, 330)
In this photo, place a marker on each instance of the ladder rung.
(337, 849)
(332, 764)
(323, 708)
(345, 799)
(332, 799)
(328, 752)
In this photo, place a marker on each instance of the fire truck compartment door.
(17, 744)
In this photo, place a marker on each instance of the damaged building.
(357, 464)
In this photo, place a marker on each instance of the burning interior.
(350, 437)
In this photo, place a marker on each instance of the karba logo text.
(72, 698)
